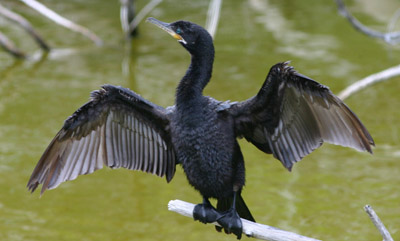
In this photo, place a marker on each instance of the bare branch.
(8, 46)
(45, 11)
(393, 21)
(378, 223)
(127, 14)
(24, 24)
(251, 229)
(390, 37)
(142, 14)
(213, 12)
(369, 80)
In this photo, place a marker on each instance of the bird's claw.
(231, 223)
(205, 213)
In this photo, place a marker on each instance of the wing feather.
(297, 115)
(116, 128)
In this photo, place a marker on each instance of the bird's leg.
(205, 212)
(230, 220)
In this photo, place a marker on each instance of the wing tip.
(369, 146)
(289, 167)
(32, 186)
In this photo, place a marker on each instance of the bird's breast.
(205, 147)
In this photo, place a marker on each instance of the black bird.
(290, 116)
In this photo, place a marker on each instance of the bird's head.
(191, 36)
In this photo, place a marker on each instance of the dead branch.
(389, 37)
(378, 223)
(8, 46)
(16, 18)
(393, 21)
(369, 80)
(213, 12)
(127, 14)
(251, 229)
(55, 17)
(141, 15)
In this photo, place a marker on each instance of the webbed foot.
(205, 212)
(231, 223)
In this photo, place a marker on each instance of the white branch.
(62, 21)
(25, 24)
(213, 13)
(143, 13)
(378, 223)
(369, 80)
(252, 229)
(390, 37)
(126, 14)
(393, 21)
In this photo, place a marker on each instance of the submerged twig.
(369, 80)
(213, 12)
(25, 25)
(141, 15)
(378, 223)
(8, 46)
(251, 229)
(389, 37)
(63, 21)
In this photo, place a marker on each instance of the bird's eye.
(178, 31)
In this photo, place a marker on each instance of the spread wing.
(116, 128)
(292, 115)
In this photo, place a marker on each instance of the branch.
(378, 223)
(252, 229)
(25, 25)
(8, 46)
(213, 12)
(369, 80)
(393, 21)
(63, 21)
(142, 14)
(126, 14)
(390, 37)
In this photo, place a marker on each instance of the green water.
(324, 195)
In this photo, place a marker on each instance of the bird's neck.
(190, 88)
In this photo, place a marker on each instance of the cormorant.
(289, 117)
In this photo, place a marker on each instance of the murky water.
(324, 195)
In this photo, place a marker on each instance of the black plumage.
(289, 117)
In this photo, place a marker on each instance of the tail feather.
(243, 210)
(225, 204)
